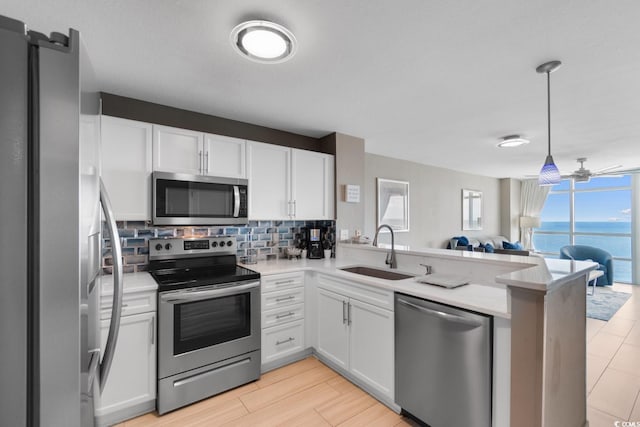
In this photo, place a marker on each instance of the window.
(594, 213)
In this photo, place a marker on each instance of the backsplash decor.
(257, 238)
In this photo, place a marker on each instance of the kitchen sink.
(374, 272)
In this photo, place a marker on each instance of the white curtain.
(532, 198)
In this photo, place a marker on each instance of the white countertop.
(537, 273)
(477, 297)
(534, 273)
(133, 282)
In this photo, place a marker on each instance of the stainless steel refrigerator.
(50, 232)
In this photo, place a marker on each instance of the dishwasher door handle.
(440, 314)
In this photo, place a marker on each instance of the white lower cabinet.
(355, 335)
(333, 330)
(283, 310)
(130, 389)
(282, 340)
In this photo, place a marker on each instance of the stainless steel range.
(208, 319)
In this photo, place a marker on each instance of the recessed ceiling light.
(263, 41)
(512, 141)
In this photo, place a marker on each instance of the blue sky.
(591, 206)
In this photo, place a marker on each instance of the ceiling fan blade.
(607, 169)
(619, 172)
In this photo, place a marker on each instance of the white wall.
(435, 201)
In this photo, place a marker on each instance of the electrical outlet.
(344, 234)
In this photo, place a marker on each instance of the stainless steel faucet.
(391, 256)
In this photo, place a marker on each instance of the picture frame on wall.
(392, 207)
(471, 209)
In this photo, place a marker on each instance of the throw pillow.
(462, 240)
(516, 245)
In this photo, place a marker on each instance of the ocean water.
(618, 246)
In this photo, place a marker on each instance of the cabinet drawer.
(282, 298)
(282, 340)
(282, 281)
(133, 303)
(282, 315)
(380, 297)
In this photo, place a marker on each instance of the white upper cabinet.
(312, 185)
(178, 150)
(125, 151)
(186, 151)
(269, 181)
(224, 156)
(286, 183)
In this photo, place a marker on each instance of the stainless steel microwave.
(184, 199)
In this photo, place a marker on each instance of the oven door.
(180, 199)
(200, 326)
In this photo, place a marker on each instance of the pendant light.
(549, 174)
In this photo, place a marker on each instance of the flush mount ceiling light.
(549, 174)
(263, 41)
(512, 141)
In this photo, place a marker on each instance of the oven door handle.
(195, 295)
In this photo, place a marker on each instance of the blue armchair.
(602, 257)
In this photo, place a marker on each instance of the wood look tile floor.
(613, 364)
(305, 393)
(308, 393)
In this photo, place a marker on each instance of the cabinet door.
(312, 185)
(372, 346)
(132, 378)
(224, 156)
(126, 166)
(333, 330)
(177, 150)
(269, 181)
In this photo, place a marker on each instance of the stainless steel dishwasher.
(443, 363)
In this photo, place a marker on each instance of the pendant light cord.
(549, 111)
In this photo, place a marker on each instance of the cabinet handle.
(344, 312)
(285, 341)
(295, 209)
(200, 163)
(285, 298)
(152, 328)
(206, 162)
(349, 314)
(289, 209)
(282, 316)
(282, 282)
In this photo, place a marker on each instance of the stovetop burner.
(187, 263)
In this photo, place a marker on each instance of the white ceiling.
(436, 82)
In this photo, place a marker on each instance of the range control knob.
(229, 243)
(167, 246)
(214, 244)
(158, 247)
(222, 244)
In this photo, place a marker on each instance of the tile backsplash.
(259, 238)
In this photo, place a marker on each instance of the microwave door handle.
(236, 201)
(189, 296)
(116, 310)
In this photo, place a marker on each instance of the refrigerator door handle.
(116, 309)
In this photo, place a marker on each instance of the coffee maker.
(313, 236)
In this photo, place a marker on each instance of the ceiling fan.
(583, 174)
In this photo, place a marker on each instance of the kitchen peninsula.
(538, 306)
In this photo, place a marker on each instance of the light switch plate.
(344, 234)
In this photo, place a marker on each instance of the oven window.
(205, 323)
(193, 199)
